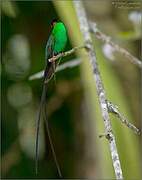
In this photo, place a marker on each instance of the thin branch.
(67, 53)
(107, 39)
(36, 75)
(114, 109)
(84, 27)
(69, 64)
(61, 67)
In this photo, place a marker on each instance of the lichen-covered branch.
(69, 64)
(107, 39)
(84, 27)
(114, 109)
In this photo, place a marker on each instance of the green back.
(59, 33)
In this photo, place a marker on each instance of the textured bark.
(84, 27)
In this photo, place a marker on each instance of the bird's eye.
(53, 24)
(54, 21)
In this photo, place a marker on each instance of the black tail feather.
(51, 143)
(49, 71)
(43, 97)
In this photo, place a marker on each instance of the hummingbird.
(55, 45)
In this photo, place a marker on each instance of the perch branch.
(114, 109)
(84, 27)
(107, 39)
(69, 64)
(67, 53)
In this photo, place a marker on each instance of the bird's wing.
(49, 52)
(49, 47)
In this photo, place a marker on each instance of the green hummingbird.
(55, 45)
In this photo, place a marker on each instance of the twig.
(69, 64)
(107, 39)
(63, 54)
(114, 109)
(84, 27)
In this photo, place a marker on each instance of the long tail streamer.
(51, 144)
(43, 105)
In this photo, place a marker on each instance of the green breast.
(60, 37)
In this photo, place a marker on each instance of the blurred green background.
(72, 103)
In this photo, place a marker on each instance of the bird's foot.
(52, 59)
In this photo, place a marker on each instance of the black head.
(54, 21)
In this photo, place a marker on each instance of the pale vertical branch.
(84, 27)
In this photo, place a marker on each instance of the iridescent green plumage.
(55, 44)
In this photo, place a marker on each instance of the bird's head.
(53, 22)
